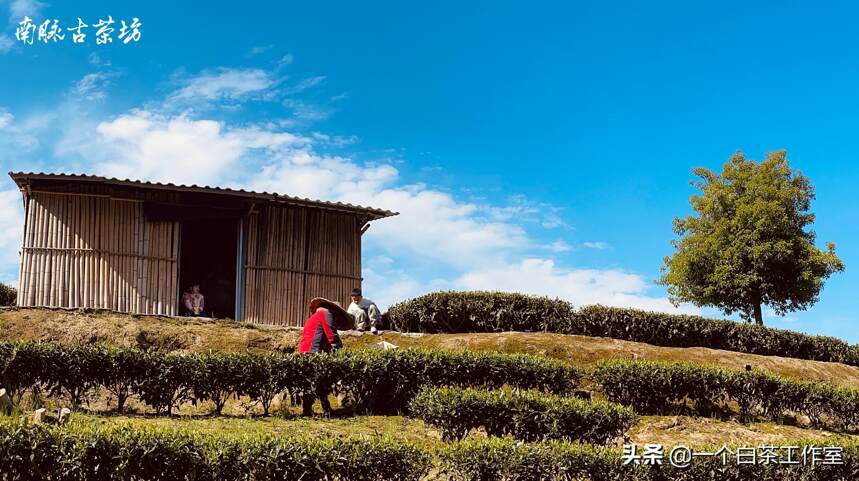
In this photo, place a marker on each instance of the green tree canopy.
(749, 242)
(8, 295)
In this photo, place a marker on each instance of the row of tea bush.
(76, 453)
(527, 416)
(656, 387)
(375, 380)
(477, 311)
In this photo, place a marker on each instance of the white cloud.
(260, 49)
(559, 246)
(305, 84)
(6, 43)
(93, 86)
(286, 60)
(11, 225)
(96, 60)
(144, 145)
(389, 286)
(304, 111)
(6, 119)
(337, 140)
(19, 8)
(600, 245)
(224, 84)
(579, 286)
(19, 136)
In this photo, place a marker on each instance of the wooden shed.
(130, 246)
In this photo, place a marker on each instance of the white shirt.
(364, 306)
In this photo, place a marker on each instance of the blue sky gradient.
(530, 146)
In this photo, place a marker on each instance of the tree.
(8, 294)
(749, 243)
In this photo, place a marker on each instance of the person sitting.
(194, 302)
(365, 312)
(319, 335)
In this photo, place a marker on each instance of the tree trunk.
(759, 317)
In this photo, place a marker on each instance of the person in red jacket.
(319, 335)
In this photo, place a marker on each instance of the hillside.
(243, 406)
(200, 335)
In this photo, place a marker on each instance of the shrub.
(23, 367)
(653, 387)
(123, 372)
(497, 458)
(528, 415)
(78, 453)
(504, 459)
(376, 380)
(678, 330)
(73, 370)
(479, 312)
(265, 376)
(659, 387)
(169, 380)
(221, 376)
(384, 381)
(8, 295)
(495, 311)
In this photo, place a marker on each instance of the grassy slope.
(195, 335)
(666, 430)
(166, 333)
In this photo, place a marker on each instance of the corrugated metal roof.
(21, 178)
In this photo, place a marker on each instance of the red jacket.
(318, 334)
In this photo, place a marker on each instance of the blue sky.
(529, 146)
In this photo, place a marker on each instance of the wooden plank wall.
(295, 254)
(94, 251)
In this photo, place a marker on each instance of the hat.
(342, 319)
(356, 291)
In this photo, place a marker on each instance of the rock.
(39, 416)
(63, 416)
(387, 346)
(5, 402)
(411, 334)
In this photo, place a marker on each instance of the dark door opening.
(207, 253)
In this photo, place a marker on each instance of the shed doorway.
(207, 257)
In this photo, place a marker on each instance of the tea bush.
(77, 452)
(504, 459)
(384, 381)
(375, 380)
(478, 311)
(679, 330)
(37, 452)
(526, 415)
(652, 387)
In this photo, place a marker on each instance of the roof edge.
(20, 178)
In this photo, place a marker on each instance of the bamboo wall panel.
(295, 254)
(88, 251)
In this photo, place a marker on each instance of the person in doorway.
(194, 302)
(319, 335)
(365, 312)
